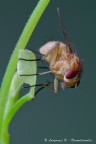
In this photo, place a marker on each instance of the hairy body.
(65, 64)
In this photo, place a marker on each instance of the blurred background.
(71, 112)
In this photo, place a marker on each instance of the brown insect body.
(62, 61)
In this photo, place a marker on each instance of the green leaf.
(25, 67)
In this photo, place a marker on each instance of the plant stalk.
(21, 44)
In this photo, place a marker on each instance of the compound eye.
(71, 74)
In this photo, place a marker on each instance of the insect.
(63, 62)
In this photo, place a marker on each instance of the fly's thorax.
(66, 63)
(75, 64)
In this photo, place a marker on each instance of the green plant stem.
(21, 44)
(15, 108)
(7, 120)
(13, 93)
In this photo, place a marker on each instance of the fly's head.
(72, 76)
(71, 79)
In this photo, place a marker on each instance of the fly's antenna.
(63, 30)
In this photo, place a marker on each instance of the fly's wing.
(26, 67)
(49, 51)
(52, 51)
(53, 54)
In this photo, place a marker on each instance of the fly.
(63, 62)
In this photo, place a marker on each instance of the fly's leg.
(36, 52)
(39, 59)
(42, 86)
(41, 67)
(45, 85)
(29, 59)
(55, 84)
(42, 73)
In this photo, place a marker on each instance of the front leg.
(55, 84)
